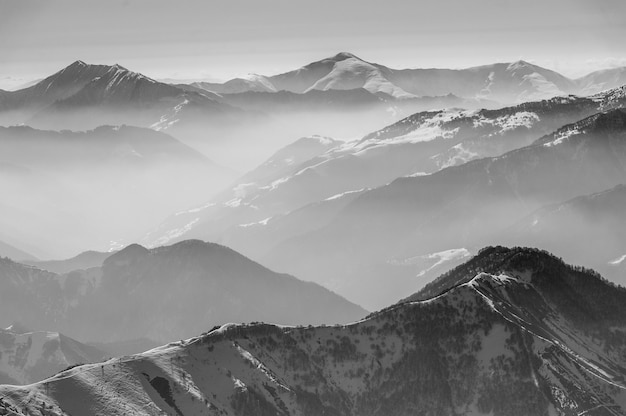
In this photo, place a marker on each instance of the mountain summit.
(506, 83)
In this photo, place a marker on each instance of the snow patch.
(618, 260)
(561, 136)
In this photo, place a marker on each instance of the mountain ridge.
(345, 70)
(491, 344)
(198, 284)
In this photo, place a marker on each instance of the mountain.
(84, 96)
(513, 332)
(456, 207)
(163, 294)
(76, 181)
(7, 250)
(58, 86)
(33, 356)
(82, 261)
(420, 144)
(252, 83)
(506, 83)
(599, 218)
(602, 80)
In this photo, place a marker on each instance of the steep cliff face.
(512, 332)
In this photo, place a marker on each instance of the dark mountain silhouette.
(164, 294)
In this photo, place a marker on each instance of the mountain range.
(263, 214)
(90, 187)
(163, 294)
(593, 225)
(455, 207)
(512, 332)
(505, 83)
(83, 96)
(417, 145)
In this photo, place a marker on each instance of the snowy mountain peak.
(343, 56)
(77, 64)
(519, 64)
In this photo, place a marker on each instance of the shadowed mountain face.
(456, 207)
(513, 332)
(87, 189)
(163, 294)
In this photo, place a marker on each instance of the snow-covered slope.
(352, 72)
(503, 339)
(506, 83)
(28, 357)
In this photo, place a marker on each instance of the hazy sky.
(226, 38)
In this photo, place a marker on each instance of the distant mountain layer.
(593, 227)
(7, 250)
(88, 188)
(83, 96)
(268, 212)
(33, 356)
(513, 332)
(163, 294)
(502, 82)
(82, 261)
(460, 206)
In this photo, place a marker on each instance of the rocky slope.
(514, 332)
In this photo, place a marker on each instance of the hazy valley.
(344, 238)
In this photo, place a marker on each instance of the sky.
(222, 39)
